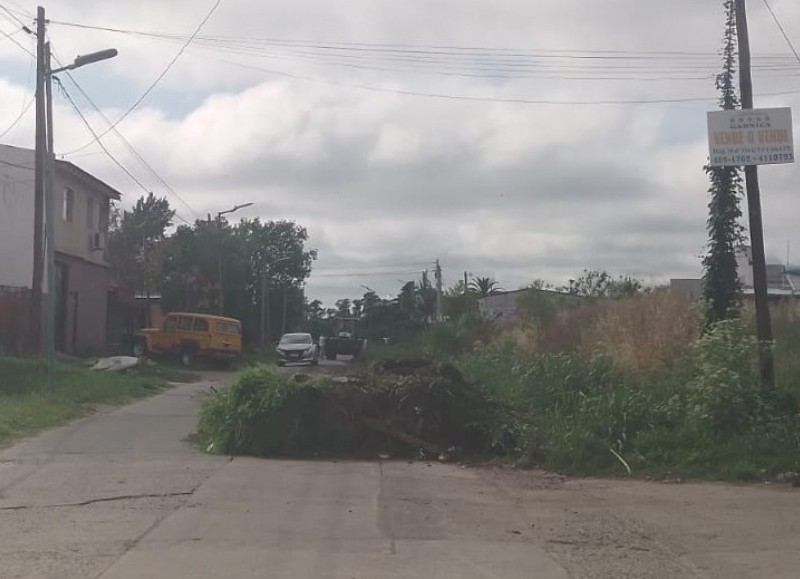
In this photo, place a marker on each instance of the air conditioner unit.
(95, 242)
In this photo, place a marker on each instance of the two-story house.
(82, 275)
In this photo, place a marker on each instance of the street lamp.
(221, 301)
(264, 300)
(46, 170)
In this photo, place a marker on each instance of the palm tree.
(484, 286)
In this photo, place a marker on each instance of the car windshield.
(296, 339)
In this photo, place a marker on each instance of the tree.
(721, 285)
(258, 258)
(600, 284)
(484, 286)
(344, 308)
(135, 243)
(459, 303)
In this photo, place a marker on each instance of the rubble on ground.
(406, 408)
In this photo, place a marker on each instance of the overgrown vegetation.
(28, 407)
(721, 288)
(615, 384)
(411, 407)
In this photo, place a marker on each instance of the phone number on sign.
(753, 159)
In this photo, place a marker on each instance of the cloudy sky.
(514, 139)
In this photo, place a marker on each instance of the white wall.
(16, 217)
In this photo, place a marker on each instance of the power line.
(105, 150)
(420, 49)
(13, 16)
(130, 147)
(366, 275)
(472, 56)
(19, 117)
(92, 131)
(159, 77)
(782, 29)
(491, 99)
(14, 40)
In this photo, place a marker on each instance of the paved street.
(121, 495)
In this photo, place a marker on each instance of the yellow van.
(190, 336)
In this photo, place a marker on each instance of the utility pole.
(438, 291)
(283, 321)
(264, 289)
(221, 293)
(50, 227)
(37, 303)
(766, 361)
(466, 284)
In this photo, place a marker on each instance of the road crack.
(100, 500)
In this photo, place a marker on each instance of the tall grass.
(634, 380)
(27, 406)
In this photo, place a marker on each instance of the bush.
(725, 394)
(251, 416)
(399, 406)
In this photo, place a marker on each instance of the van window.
(200, 325)
(185, 324)
(171, 324)
(228, 328)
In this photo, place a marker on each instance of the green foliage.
(725, 393)
(135, 241)
(238, 419)
(600, 284)
(27, 407)
(539, 307)
(721, 285)
(266, 414)
(701, 416)
(484, 286)
(251, 254)
(459, 302)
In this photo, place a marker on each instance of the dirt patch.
(598, 528)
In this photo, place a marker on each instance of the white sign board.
(751, 137)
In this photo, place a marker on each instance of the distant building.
(82, 274)
(781, 281)
(506, 305)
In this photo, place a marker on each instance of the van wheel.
(140, 348)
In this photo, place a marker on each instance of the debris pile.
(413, 408)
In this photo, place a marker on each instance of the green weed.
(27, 406)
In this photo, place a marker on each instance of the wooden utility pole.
(438, 291)
(283, 319)
(263, 325)
(763, 322)
(35, 318)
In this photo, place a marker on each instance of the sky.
(512, 139)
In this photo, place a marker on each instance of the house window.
(69, 204)
(90, 213)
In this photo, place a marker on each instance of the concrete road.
(121, 495)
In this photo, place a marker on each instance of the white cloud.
(383, 179)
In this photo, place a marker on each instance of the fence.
(14, 303)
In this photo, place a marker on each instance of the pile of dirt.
(416, 406)
(411, 408)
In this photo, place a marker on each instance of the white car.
(297, 348)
